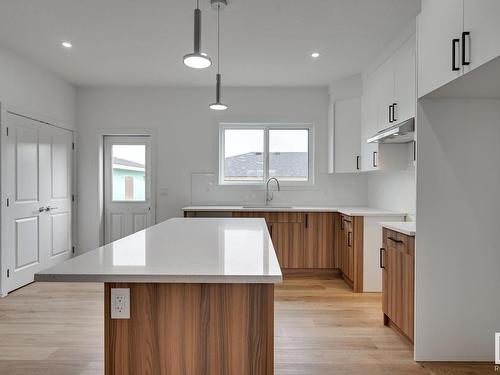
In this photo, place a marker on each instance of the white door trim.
(4, 110)
(100, 170)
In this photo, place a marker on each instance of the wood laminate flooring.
(321, 328)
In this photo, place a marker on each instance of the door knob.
(41, 209)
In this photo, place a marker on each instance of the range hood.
(402, 132)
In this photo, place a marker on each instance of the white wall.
(187, 140)
(393, 190)
(36, 91)
(457, 307)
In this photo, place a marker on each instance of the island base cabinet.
(211, 329)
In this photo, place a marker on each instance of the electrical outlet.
(120, 303)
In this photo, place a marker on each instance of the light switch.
(120, 303)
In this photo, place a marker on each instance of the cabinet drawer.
(399, 241)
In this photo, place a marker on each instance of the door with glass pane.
(127, 186)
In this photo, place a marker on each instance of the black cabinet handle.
(454, 44)
(307, 221)
(349, 239)
(374, 159)
(394, 112)
(382, 265)
(357, 162)
(464, 35)
(394, 240)
(390, 113)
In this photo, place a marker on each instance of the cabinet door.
(408, 282)
(384, 86)
(439, 23)
(341, 244)
(347, 135)
(369, 125)
(349, 238)
(319, 240)
(288, 241)
(481, 20)
(385, 274)
(404, 61)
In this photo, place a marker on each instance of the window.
(250, 154)
(129, 173)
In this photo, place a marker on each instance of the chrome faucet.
(270, 195)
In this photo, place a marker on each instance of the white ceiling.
(141, 42)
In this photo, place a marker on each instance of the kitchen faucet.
(270, 195)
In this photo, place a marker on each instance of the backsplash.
(340, 189)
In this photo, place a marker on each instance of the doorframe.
(45, 120)
(151, 133)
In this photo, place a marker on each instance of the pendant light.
(218, 105)
(197, 59)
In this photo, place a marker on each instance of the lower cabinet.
(319, 234)
(288, 241)
(350, 244)
(397, 260)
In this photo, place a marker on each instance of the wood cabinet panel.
(398, 262)
(319, 240)
(191, 329)
(351, 250)
(288, 241)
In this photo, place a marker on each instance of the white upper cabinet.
(347, 117)
(369, 124)
(440, 26)
(384, 85)
(389, 97)
(455, 37)
(481, 32)
(405, 76)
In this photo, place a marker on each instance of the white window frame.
(266, 127)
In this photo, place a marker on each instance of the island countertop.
(187, 250)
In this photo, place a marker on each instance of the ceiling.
(141, 42)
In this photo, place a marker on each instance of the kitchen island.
(201, 297)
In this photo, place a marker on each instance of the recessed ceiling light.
(315, 55)
(66, 44)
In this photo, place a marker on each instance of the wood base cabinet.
(350, 245)
(397, 260)
(302, 240)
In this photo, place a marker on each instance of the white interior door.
(37, 173)
(127, 186)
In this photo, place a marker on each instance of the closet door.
(37, 172)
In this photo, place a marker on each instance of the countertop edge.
(350, 211)
(167, 279)
(396, 228)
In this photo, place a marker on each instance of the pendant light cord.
(218, 38)
(197, 4)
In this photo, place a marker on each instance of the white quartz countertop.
(351, 211)
(405, 227)
(190, 250)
